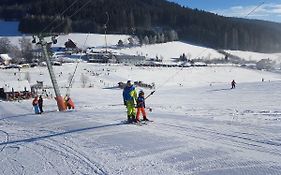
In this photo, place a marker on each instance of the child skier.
(141, 107)
(35, 105)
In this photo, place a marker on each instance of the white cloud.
(271, 11)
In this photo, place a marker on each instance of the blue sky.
(268, 9)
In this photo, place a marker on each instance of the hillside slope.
(144, 17)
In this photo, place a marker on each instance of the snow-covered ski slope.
(200, 125)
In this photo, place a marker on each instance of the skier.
(35, 105)
(141, 107)
(68, 102)
(40, 103)
(233, 83)
(129, 97)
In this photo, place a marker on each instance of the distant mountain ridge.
(144, 17)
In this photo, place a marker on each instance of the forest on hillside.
(143, 18)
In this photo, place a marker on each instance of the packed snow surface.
(201, 126)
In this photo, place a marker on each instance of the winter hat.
(129, 82)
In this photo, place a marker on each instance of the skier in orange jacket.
(68, 102)
(141, 107)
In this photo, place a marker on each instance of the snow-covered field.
(200, 125)
(166, 51)
(255, 56)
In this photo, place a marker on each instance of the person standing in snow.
(35, 105)
(233, 83)
(68, 102)
(40, 103)
(129, 97)
(141, 107)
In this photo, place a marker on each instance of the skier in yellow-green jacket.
(130, 97)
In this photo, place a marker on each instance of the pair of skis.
(140, 123)
(143, 122)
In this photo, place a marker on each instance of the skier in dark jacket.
(141, 107)
(233, 83)
(40, 103)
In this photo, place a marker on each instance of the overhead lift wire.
(72, 77)
(52, 29)
(176, 73)
(252, 11)
(62, 13)
(77, 11)
(173, 75)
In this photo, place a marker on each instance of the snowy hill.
(255, 56)
(165, 50)
(201, 126)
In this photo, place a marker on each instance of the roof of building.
(70, 44)
(18, 86)
(5, 57)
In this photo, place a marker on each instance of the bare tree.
(172, 35)
(15, 53)
(5, 45)
(26, 49)
(27, 77)
(145, 40)
(161, 38)
(84, 80)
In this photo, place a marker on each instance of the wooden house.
(15, 90)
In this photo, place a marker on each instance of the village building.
(37, 54)
(15, 90)
(108, 57)
(70, 46)
(5, 59)
(130, 59)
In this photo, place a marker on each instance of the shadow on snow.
(33, 139)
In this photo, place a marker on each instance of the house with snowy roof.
(5, 59)
(13, 90)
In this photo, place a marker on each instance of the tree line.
(144, 18)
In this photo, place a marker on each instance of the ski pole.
(150, 94)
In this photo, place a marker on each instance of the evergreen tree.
(147, 17)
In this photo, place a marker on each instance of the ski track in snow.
(195, 131)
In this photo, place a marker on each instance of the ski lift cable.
(77, 11)
(72, 77)
(173, 75)
(62, 13)
(71, 80)
(252, 11)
